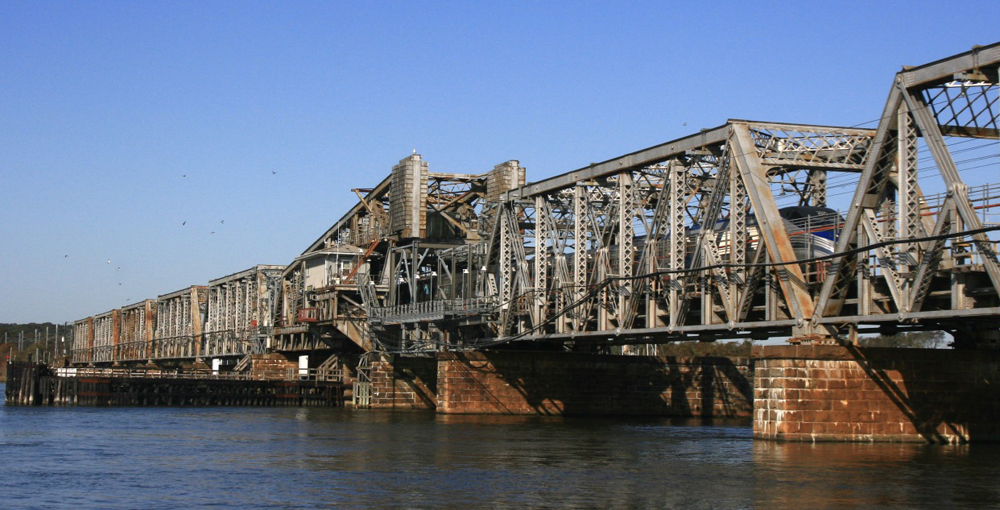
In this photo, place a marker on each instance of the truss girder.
(240, 311)
(772, 228)
(690, 237)
(931, 131)
(952, 97)
(870, 188)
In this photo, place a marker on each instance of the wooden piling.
(37, 385)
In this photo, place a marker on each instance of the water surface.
(78, 457)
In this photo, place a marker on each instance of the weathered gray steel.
(240, 311)
(724, 233)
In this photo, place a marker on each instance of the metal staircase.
(244, 363)
(329, 370)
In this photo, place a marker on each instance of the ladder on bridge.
(362, 396)
(369, 298)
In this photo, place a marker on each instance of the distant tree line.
(705, 349)
(32, 341)
(913, 340)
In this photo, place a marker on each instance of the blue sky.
(251, 121)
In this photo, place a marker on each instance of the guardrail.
(431, 310)
(129, 373)
(291, 374)
(313, 374)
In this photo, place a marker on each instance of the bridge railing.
(314, 374)
(433, 310)
(149, 374)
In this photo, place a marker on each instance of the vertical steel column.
(580, 252)
(90, 339)
(626, 239)
(116, 322)
(817, 188)
(542, 259)
(506, 269)
(195, 317)
(738, 241)
(910, 223)
(678, 200)
(150, 327)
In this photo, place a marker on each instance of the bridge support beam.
(838, 393)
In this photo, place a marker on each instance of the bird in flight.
(109, 261)
(273, 172)
(184, 223)
(223, 222)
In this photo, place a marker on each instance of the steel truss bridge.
(746, 230)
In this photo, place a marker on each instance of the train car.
(813, 232)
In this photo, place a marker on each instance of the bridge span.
(748, 230)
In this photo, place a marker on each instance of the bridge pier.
(403, 382)
(560, 383)
(838, 393)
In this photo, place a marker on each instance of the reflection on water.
(309, 458)
(803, 475)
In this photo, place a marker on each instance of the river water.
(78, 457)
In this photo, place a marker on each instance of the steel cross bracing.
(743, 230)
(179, 324)
(658, 207)
(940, 105)
(423, 262)
(239, 315)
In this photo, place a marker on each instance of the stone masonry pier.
(834, 393)
(548, 383)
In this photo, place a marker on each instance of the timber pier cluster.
(38, 384)
(482, 292)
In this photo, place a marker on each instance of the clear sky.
(185, 141)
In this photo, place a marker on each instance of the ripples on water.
(317, 458)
